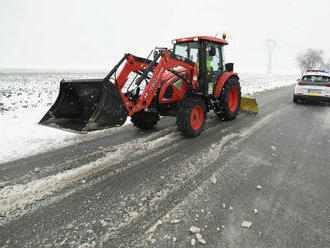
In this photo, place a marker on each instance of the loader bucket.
(86, 105)
(249, 105)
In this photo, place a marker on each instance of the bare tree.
(311, 59)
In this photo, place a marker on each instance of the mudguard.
(221, 81)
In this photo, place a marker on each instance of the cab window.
(213, 62)
(194, 54)
(181, 50)
(187, 50)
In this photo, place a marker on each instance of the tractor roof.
(195, 38)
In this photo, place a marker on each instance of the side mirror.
(212, 51)
(229, 67)
(298, 79)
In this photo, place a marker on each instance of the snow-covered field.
(26, 97)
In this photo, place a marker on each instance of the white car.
(314, 85)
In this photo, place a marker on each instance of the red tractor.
(185, 82)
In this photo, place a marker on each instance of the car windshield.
(315, 78)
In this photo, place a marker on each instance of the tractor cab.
(207, 52)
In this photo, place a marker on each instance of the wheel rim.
(196, 117)
(233, 98)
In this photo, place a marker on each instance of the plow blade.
(249, 105)
(86, 105)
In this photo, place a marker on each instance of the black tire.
(295, 99)
(224, 107)
(191, 116)
(145, 120)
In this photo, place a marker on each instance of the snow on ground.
(26, 97)
(252, 83)
(21, 135)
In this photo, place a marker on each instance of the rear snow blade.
(86, 105)
(249, 105)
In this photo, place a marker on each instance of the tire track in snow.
(14, 198)
(85, 157)
(19, 196)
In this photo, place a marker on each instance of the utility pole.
(271, 43)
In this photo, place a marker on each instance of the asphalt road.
(134, 189)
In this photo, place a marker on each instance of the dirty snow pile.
(26, 97)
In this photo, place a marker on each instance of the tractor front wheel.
(191, 117)
(145, 120)
(228, 103)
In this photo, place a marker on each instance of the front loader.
(185, 82)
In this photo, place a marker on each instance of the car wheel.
(295, 99)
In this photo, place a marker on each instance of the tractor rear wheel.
(228, 103)
(145, 120)
(191, 116)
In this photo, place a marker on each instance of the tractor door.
(214, 65)
(210, 66)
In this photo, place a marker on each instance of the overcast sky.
(74, 34)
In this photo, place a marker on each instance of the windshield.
(187, 50)
(315, 78)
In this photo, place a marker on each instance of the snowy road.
(133, 189)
